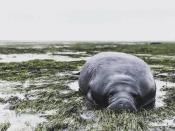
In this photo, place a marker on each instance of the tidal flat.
(39, 90)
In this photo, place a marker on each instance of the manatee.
(118, 81)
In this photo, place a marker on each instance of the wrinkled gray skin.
(118, 81)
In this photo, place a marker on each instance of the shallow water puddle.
(88, 115)
(74, 85)
(145, 55)
(65, 91)
(160, 94)
(34, 46)
(50, 112)
(157, 66)
(158, 57)
(69, 53)
(166, 122)
(27, 57)
(8, 85)
(38, 82)
(7, 89)
(163, 57)
(166, 75)
(8, 95)
(19, 122)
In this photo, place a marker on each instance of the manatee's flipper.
(89, 97)
(149, 105)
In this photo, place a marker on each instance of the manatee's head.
(122, 100)
(123, 93)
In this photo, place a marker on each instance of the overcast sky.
(113, 20)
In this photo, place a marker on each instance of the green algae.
(69, 117)
(91, 48)
(4, 126)
(35, 68)
(71, 106)
(7, 50)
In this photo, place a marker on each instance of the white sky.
(114, 20)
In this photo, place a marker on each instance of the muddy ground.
(39, 91)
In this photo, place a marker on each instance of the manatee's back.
(88, 70)
(111, 63)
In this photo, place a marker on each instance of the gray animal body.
(118, 81)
